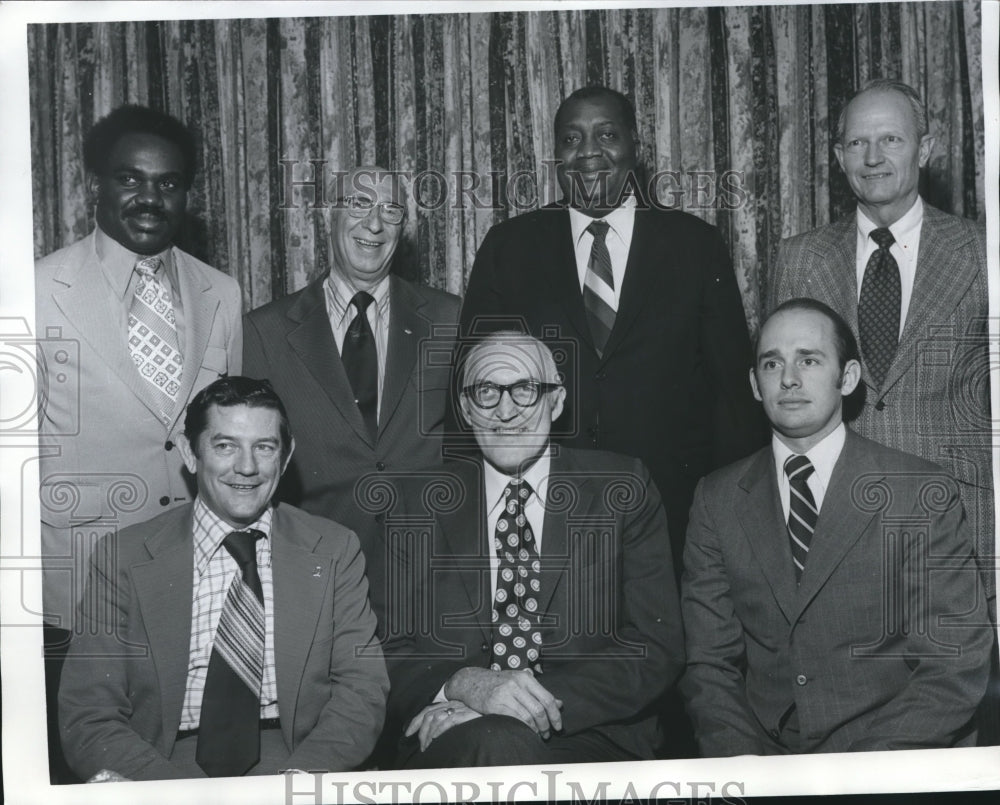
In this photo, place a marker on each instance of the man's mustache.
(144, 209)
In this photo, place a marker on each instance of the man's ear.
(753, 386)
(926, 146)
(463, 405)
(850, 377)
(838, 151)
(93, 187)
(288, 456)
(558, 400)
(187, 453)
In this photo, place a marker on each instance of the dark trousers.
(55, 644)
(505, 741)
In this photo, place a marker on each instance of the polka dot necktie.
(361, 362)
(879, 308)
(517, 640)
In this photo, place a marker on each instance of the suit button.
(165, 500)
(600, 376)
(484, 647)
(774, 734)
(380, 465)
(168, 445)
(801, 679)
(880, 405)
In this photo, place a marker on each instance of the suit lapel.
(555, 554)
(840, 523)
(199, 314)
(311, 338)
(163, 587)
(942, 279)
(465, 534)
(407, 328)
(300, 579)
(645, 267)
(94, 312)
(554, 246)
(765, 529)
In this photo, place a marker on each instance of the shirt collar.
(616, 220)
(823, 456)
(339, 294)
(537, 476)
(119, 263)
(902, 230)
(210, 530)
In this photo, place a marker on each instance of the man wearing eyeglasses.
(542, 621)
(360, 364)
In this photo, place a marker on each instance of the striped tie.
(152, 337)
(229, 729)
(599, 288)
(802, 511)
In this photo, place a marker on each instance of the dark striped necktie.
(599, 288)
(802, 511)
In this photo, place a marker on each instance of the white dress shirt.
(906, 231)
(341, 313)
(214, 571)
(619, 238)
(823, 457)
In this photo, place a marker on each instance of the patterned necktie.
(879, 308)
(517, 642)
(361, 362)
(802, 511)
(229, 729)
(599, 287)
(152, 337)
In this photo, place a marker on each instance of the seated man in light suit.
(830, 592)
(539, 620)
(227, 637)
(359, 360)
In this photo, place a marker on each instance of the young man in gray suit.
(830, 594)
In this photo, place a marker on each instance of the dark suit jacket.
(107, 460)
(612, 641)
(123, 683)
(935, 400)
(289, 341)
(671, 387)
(885, 644)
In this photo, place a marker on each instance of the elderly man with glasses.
(540, 620)
(360, 361)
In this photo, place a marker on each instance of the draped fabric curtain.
(736, 106)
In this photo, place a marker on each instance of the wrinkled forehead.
(506, 362)
(376, 184)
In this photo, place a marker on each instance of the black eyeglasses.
(524, 393)
(359, 207)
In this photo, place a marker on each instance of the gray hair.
(888, 85)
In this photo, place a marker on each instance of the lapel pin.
(408, 331)
(318, 571)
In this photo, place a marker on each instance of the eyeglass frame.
(381, 206)
(543, 389)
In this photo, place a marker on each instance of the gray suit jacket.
(885, 643)
(106, 459)
(123, 683)
(289, 342)
(935, 400)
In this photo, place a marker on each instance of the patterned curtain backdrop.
(736, 106)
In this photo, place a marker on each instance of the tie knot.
(519, 490)
(599, 229)
(798, 468)
(883, 237)
(242, 546)
(148, 266)
(361, 300)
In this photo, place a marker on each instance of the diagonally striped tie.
(599, 288)
(802, 511)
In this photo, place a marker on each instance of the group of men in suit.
(525, 591)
